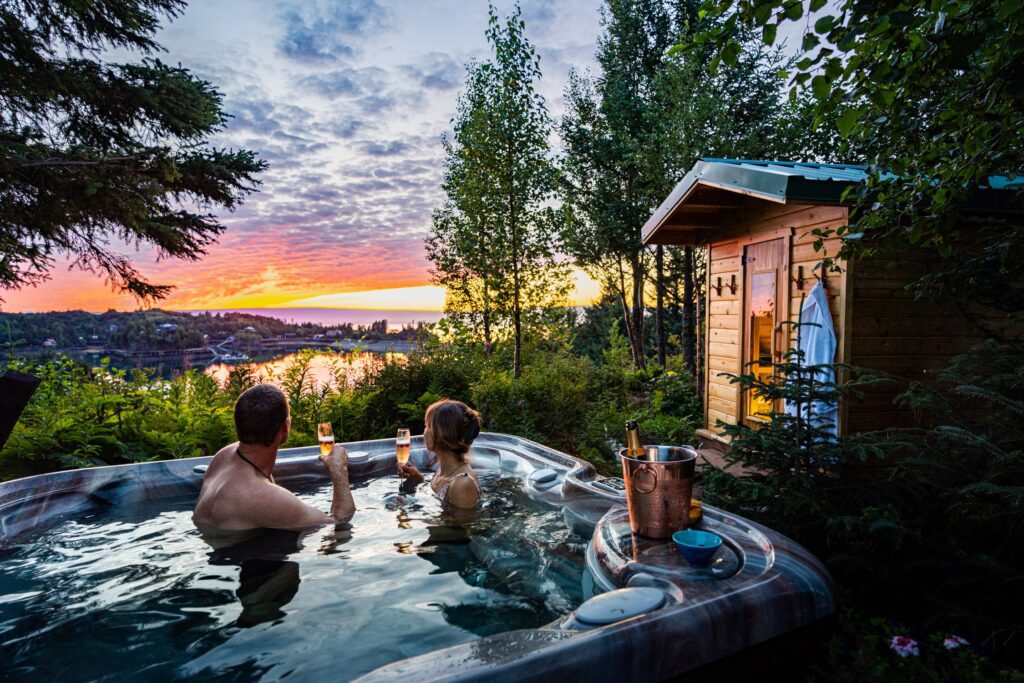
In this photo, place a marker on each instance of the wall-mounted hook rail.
(718, 285)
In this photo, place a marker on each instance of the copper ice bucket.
(658, 489)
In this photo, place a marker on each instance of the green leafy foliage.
(82, 417)
(547, 403)
(634, 128)
(609, 187)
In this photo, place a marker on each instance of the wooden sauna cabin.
(756, 218)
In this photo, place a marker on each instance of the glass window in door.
(760, 337)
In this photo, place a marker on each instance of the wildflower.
(953, 642)
(904, 646)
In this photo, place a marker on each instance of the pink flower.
(953, 642)
(904, 646)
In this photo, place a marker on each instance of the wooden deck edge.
(713, 436)
(712, 451)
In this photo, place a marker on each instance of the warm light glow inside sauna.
(762, 323)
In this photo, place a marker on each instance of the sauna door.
(763, 282)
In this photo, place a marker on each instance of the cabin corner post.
(844, 348)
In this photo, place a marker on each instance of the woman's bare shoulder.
(464, 492)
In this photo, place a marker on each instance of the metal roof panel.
(811, 171)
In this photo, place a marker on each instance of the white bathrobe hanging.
(817, 340)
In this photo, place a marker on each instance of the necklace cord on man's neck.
(238, 452)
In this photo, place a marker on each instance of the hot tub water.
(136, 591)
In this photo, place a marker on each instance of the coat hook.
(824, 278)
(718, 284)
(800, 280)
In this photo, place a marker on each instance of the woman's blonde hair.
(455, 426)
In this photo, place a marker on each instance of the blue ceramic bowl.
(698, 547)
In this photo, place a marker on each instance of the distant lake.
(323, 367)
(337, 316)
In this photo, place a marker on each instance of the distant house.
(318, 336)
(248, 328)
(50, 343)
(167, 327)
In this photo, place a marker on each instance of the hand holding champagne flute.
(402, 446)
(326, 436)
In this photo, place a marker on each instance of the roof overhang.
(707, 197)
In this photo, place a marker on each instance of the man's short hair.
(259, 413)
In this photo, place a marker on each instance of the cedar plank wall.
(899, 335)
(724, 330)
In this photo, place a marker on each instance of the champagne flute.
(403, 443)
(326, 436)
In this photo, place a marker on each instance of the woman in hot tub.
(449, 429)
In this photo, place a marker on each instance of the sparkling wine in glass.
(326, 436)
(402, 444)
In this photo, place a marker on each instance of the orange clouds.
(243, 272)
(376, 280)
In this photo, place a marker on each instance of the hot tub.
(101, 575)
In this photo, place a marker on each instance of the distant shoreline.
(328, 317)
(331, 316)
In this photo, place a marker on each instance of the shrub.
(82, 417)
(548, 403)
(398, 390)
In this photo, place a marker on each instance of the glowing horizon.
(426, 298)
(420, 298)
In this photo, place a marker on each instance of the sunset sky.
(347, 101)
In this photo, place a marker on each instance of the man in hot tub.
(239, 492)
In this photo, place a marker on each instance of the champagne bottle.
(633, 447)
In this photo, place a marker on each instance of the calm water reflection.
(322, 369)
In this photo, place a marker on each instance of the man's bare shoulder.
(221, 456)
(230, 448)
